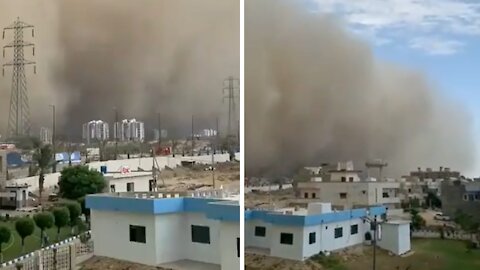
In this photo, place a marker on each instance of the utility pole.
(159, 130)
(216, 138)
(193, 141)
(115, 130)
(374, 243)
(230, 86)
(19, 115)
(54, 168)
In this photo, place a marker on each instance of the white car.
(441, 217)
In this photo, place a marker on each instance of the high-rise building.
(45, 135)
(129, 130)
(95, 130)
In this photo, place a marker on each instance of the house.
(164, 229)
(461, 195)
(347, 195)
(298, 234)
(130, 182)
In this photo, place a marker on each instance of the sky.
(439, 38)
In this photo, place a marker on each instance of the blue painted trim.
(213, 208)
(224, 212)
(311, 220)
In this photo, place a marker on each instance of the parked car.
(441, 217)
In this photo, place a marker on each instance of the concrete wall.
(294, 251)
(111, 233)
(453, 200)
(141, 183)
(208, 253)
(404, 239)
(357, 193)
(301, 249)
(229, 232)
(170, 238)
(256, 241)
(115, 165)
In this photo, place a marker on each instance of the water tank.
(103, 169)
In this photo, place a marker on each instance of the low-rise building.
(461, 195)
(164, 229)
(347, 195)
(298, 234)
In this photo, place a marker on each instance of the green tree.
(5, 235)
(62, 218)
(417, 221)
(44, 220)
(74, 210)
(24, 227)
(43, 160)
(78, 181)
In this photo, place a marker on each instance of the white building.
(167, 229)
(95, 130)
(45, 135)
(129, 130)
(208, 133)
(300, 234)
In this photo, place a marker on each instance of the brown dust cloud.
(314, 93)
(142, 57)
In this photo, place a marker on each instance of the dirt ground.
(227, 175)
(96, 263)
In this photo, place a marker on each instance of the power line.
(19, 115)
(230, 86)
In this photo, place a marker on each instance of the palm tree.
(43, 160)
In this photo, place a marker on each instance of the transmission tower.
(19, 115)
(230, 86)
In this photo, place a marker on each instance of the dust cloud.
(314, 93)
(142, 57)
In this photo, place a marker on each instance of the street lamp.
(54, 168)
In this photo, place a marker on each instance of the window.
(200, 234)
(238, 247)
(306, 195)
(338, 232)
(137, 234)
(343, 195)
(112, 188)
(350, 179)
(470, 197)
(314, 195)
(354, 229)
(409, 190)
(477, 197)
(286, 238)
(344, 179)
(385, 195)
(311, 238)
(260, 231)
(151, 185)
(130, 187)
(364, 191)
(465, 197)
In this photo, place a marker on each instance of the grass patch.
(453, 254)
(13, 248)
(331, 262)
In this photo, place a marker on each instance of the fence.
(454, 235)
(65, 255)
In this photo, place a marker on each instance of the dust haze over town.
(142, 57)
(315, 93)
